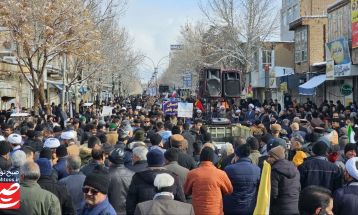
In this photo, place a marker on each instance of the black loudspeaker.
(231, 83)
(213, 83)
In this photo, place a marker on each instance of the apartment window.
(301, 45)
(289, 15)
(266, 58)
(295, 12)
(284, 18)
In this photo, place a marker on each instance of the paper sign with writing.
(185, 110)
(107, 111)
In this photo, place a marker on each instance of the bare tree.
(237, 28)
(45, 30)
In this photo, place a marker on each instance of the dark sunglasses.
(86, 190)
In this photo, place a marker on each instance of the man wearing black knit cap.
(142, 188)
(317, 170)
(95, 189)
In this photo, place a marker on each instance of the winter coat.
(142, 189)
(103, 208)
(285, 188)
(112, 137)
(207, 184)
(178, 170)
(163, 205)
(138, 166)
(35, 144)
(186, 161)
(35, 200)
(74, 184)
(61, 168)
(49, 184)
(319, 171)
(121, 178)
(85, 154)
(88, 168)
(4, 164)
(345, 200)
(191, 139)
(245, 179)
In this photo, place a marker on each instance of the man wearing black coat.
(98, 158)
(142, 185)
(285, 183)
(120, 178)
(317, 170)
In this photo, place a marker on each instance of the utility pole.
(63, 94)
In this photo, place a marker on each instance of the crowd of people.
(139, 161)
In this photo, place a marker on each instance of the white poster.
(185, 110)
(107, 111)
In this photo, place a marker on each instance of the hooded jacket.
(285, 188)
(142, 188)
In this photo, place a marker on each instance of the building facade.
(342, 68)
(305, 22)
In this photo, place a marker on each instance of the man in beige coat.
(163, 202)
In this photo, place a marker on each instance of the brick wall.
(284, 54)
(316, 39)
(314, 7)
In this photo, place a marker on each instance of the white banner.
(185, 110)
(107, 111)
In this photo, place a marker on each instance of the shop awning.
(309, 87)
(58, 85)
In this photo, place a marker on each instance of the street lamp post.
(155, 73)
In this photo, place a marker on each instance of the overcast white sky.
(155, 24)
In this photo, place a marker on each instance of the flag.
(199, 105)
(174, 94)
(351, 134)
(264, 194)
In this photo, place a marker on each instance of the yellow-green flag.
(264, 194)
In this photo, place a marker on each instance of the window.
(266, 58)
(301, 45)
(284, 18)
(289, 15)
(295, 12)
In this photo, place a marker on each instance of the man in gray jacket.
(163, 202)
(34, 199)
(171, 157)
